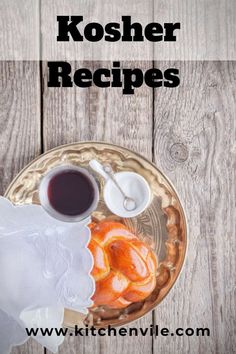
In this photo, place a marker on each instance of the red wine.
(71, 192)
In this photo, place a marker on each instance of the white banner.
(118, 30)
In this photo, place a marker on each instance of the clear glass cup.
(44, 196)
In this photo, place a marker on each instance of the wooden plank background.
(189, 132)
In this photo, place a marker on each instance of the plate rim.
(178, 198)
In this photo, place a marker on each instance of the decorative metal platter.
(162, 224)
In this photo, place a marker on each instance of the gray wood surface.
(190, 133)
(207, 29)
(194, 144)
(19, 30)
(20, 138)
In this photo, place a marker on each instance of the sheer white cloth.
(45, 266)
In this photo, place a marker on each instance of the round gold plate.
(162, 224)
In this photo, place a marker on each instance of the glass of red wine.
(69, 193)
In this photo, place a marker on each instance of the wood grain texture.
(103, 12)
(194, 140)
(100, 114)
(19, 117)
(194, 145)
(207, 32)
(19, 131)
(19, 30)
(30, 347)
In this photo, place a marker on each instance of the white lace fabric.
(45, 267)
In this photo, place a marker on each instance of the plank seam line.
(41, 81)
(153, 149)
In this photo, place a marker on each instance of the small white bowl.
(134, 186)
